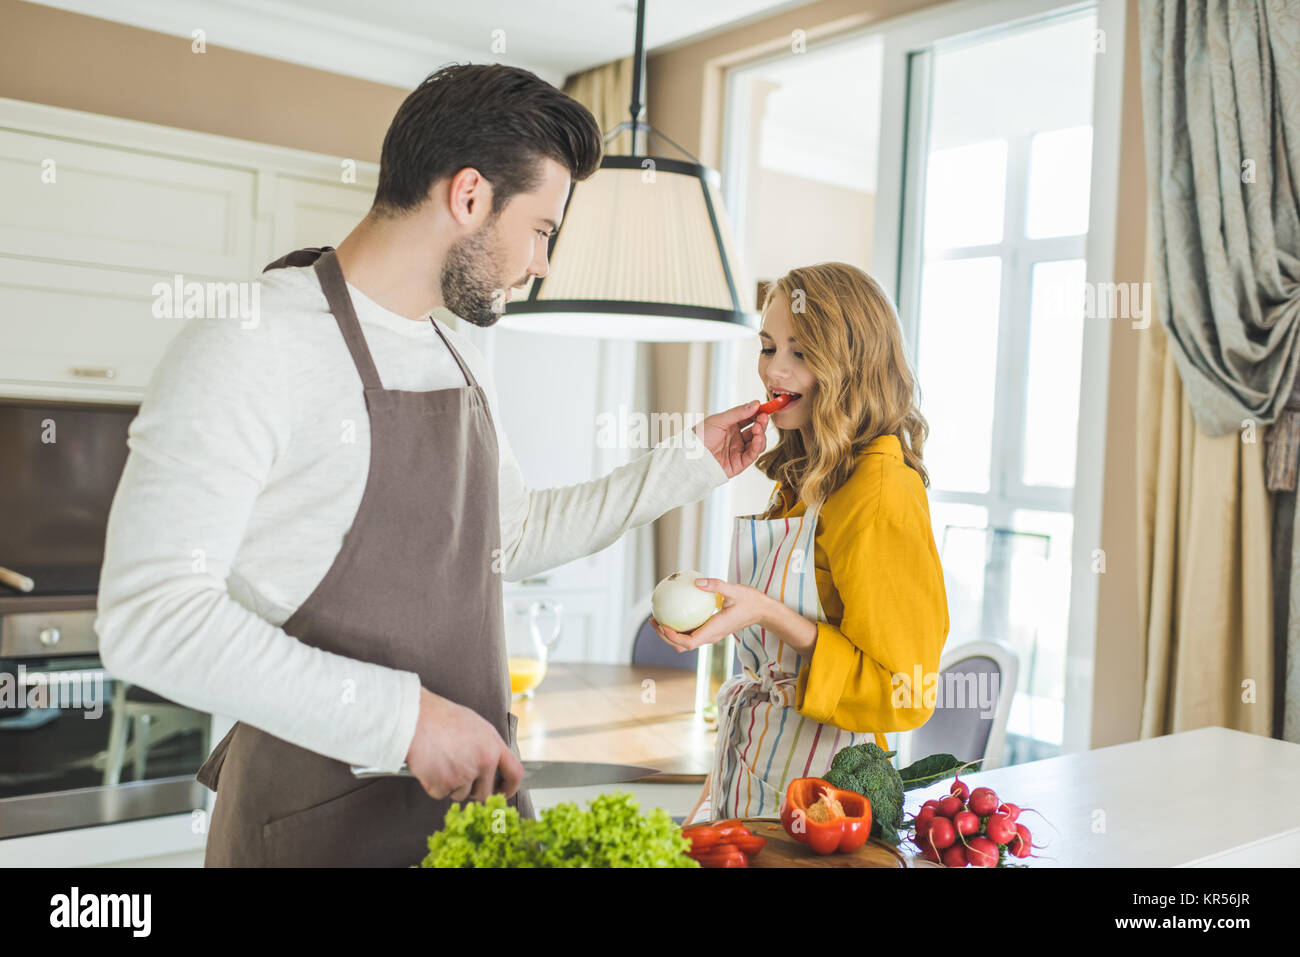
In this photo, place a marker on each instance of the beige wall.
(83, 63)
(685, 84)
(834, 224)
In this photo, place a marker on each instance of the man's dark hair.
(499, 119)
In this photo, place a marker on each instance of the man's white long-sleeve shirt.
(247, 465)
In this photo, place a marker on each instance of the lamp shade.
(644, 252)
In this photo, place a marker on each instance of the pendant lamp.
(644, 250)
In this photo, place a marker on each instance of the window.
(801, 186)
(995, 226)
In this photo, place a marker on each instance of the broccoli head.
(867, 769)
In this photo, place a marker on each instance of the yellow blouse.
(882, 592)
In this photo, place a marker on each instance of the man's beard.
(470, 287)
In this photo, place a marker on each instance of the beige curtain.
(1221, 113)
(1205, 587)
(606, 90)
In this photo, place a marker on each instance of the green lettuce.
(612, 832)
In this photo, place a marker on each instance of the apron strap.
(336, 294)
(340, 303)
(299, 257)
(464, 369)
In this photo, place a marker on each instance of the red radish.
(923, 830)
(981, 852)
(1010, 810)
(966, 822)
(941, 834)
(950, 805)
(931, 803)
(983, 801)
(960, 789)
(999, 829)
(955, 856)
(926, 814)
(930, 854)
(1022, 843)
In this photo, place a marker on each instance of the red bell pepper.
(826, 818)
(776, 403)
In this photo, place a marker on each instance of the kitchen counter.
(1209, 797)
(1203, 797)
(581, 712)
(622, 714)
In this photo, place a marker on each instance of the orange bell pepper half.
(826, 818)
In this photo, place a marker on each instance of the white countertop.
(1209, 797)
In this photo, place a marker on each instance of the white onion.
(681, 606)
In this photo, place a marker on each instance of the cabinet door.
(583, 624)
(76, 202)
(311, 213)
(70, 327)
(558, 396)
(555, 392)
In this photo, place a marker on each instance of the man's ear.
(469, 195)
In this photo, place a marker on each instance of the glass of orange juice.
(529, 649)
(525, 675)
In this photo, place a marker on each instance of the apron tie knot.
(769, 683)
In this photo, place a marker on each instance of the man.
(318, 508)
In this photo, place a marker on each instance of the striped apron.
(763, 742)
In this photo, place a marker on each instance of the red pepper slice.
(730, 826)
(723, 855)
(826, 818)
(751, 844)
(776, 404)
(718, 835)
(702, 836)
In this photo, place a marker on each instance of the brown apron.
(413, 588)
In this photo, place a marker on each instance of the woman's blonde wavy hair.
(852, 341)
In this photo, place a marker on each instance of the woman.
(836, 595)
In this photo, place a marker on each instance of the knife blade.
(550, 774)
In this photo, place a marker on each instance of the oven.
(78, 748)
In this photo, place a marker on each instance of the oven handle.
(16, 579)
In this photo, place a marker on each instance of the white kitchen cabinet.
(553, 392)
(580, 635)
(97, 210)
(77, 326)
(110, 205)
(311, 213)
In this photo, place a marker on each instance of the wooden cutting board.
(782, 850)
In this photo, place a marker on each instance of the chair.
(152, 719)
(964, 731)
(651, 650)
